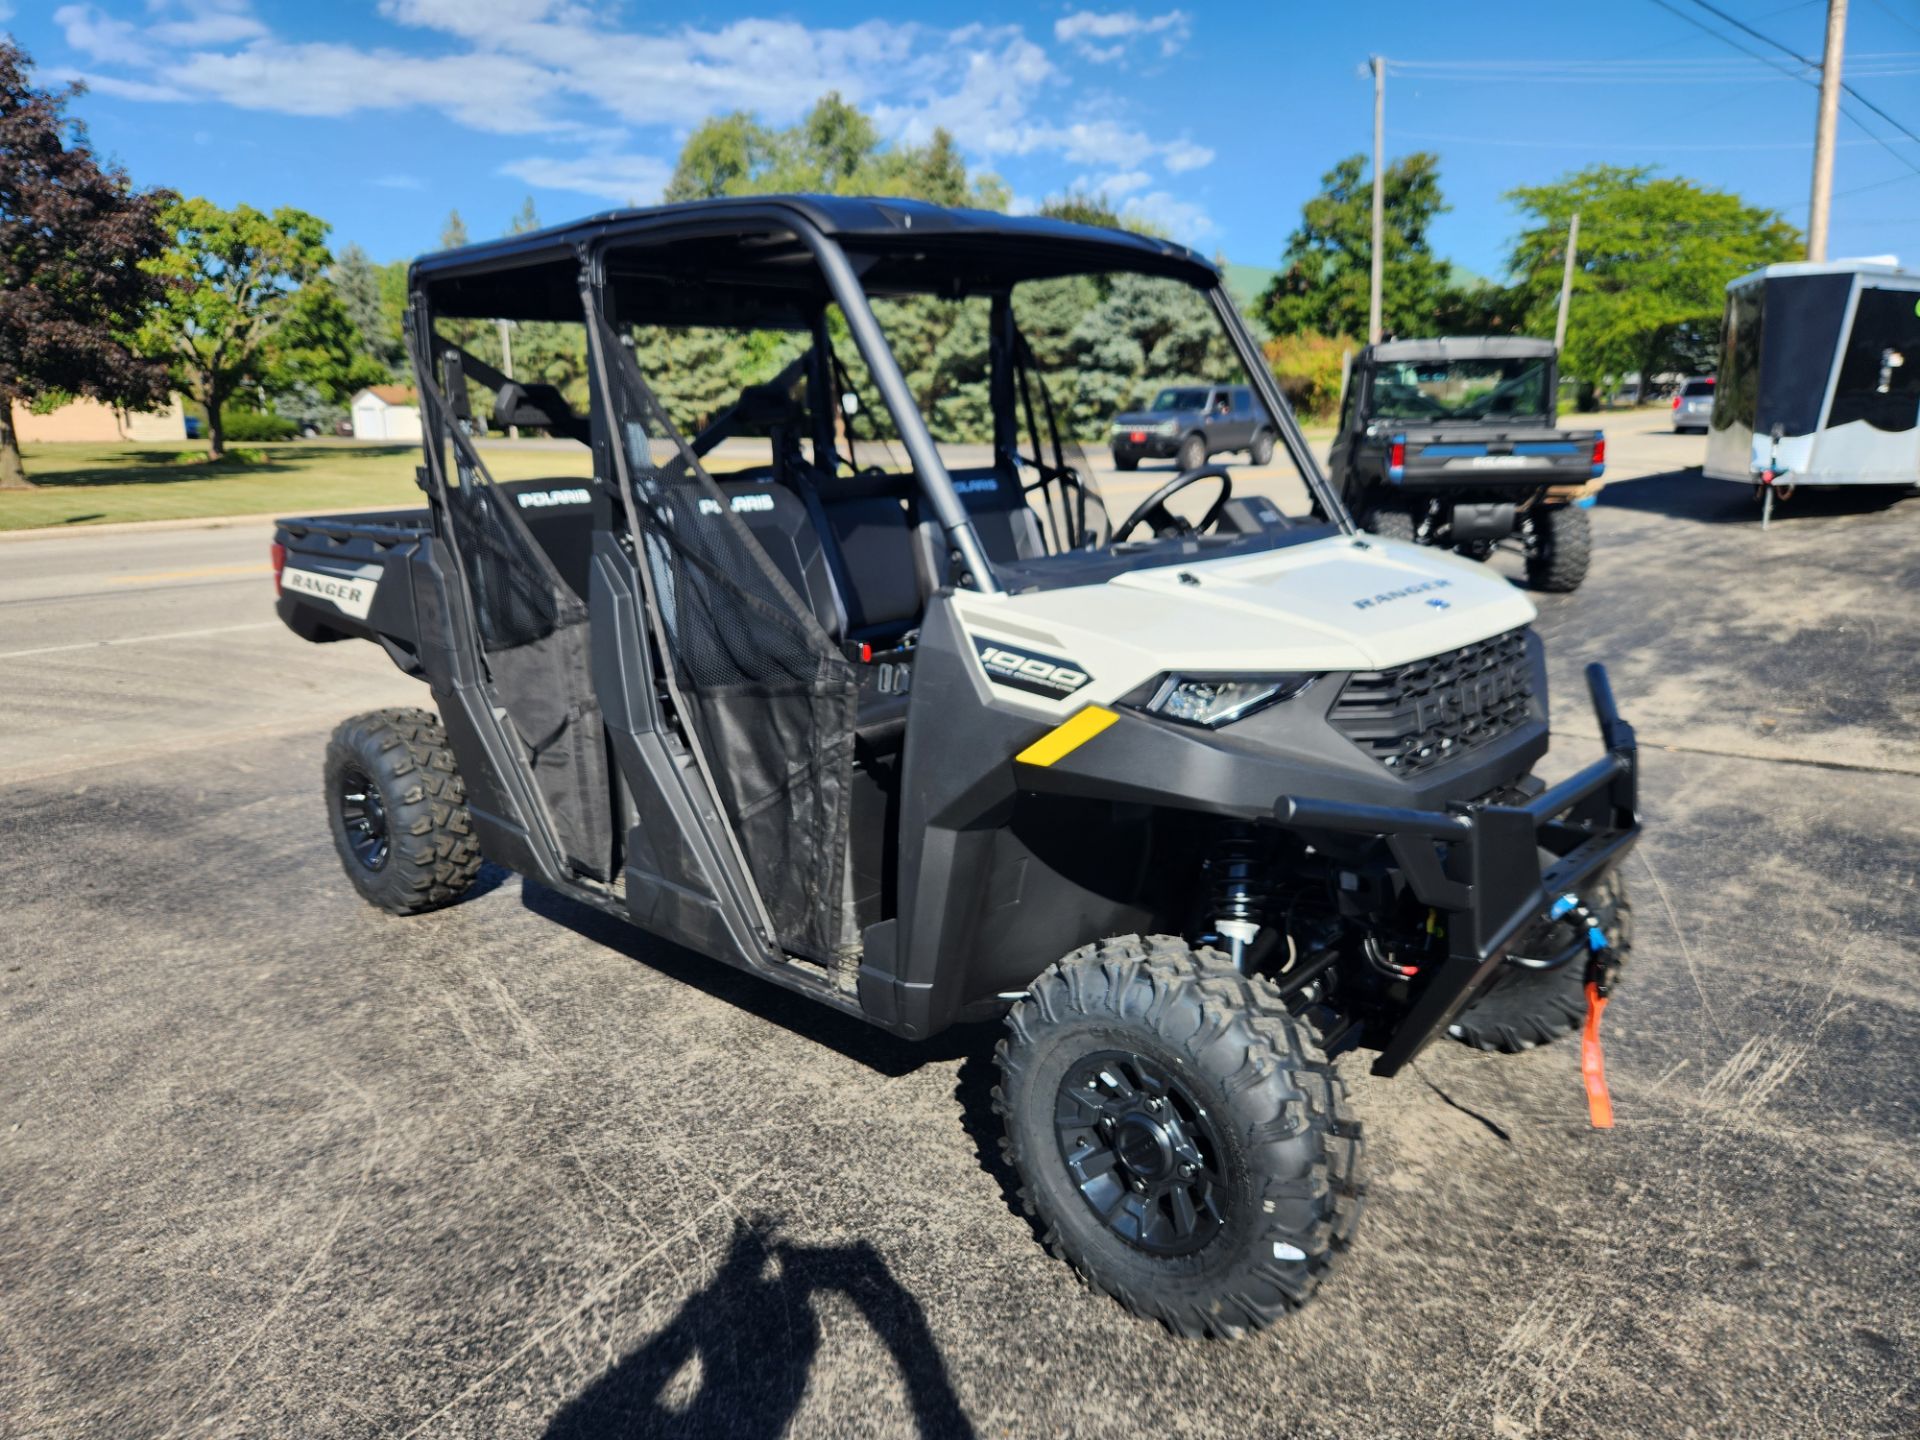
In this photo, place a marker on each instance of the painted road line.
(200, 574)
(139, 639)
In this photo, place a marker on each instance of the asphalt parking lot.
(272, 1163)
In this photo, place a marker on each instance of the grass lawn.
(96, 484)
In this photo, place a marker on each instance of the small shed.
(386, 412)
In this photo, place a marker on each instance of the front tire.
(1390, 523)
(1524, 1007)
(398, 810)
(1192, 454)
(1182, 1139)
(1562, 549)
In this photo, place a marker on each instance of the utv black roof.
(1475, 347)
(901, 246)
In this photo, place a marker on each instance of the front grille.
(1418, 715)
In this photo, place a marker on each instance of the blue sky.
(1215, 119)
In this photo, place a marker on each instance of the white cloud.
(1106, 36)
(495, 93)
(204, 22)
(99, 36)
(980, 88)
(120, 89)
(624, 179)
(563, 69)
(1182, 219)
(1113, 186)
(476, 19)
(1184, 155)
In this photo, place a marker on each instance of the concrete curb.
(202, 522)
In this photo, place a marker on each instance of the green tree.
(360, 285)
(1325, 274)
(75, 240)
(1650, 274)
(833, 149)
(1090, 207)
(233, 277)
(547, 352)
(454, 233)
(724, 156)
(316, 357)
(1146, 333)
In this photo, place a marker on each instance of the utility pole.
(1379, 196)
(1823, 131)
(506, 365)
(1566, 283)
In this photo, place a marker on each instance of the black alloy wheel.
(363, 813)
(1179, 1135)
(398, 811)
(1142, 1152)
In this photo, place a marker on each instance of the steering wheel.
(1164, 521)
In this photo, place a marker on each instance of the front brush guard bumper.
(1480, 865)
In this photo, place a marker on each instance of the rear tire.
(1390, 523)
(1521, 1007)
(398, 810)
(1562, 549)
(1261, 451)
(1126, 462)
(1131, 1054)
(1192, 454)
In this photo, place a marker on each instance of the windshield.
(1035, 430)
(1461, 390)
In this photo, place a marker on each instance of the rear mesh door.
(765, 694)
(533, 639)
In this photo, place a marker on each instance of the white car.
(1693, 406)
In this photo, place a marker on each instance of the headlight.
(1215, 700)
(1167, 427)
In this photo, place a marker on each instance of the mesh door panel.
(769, 697)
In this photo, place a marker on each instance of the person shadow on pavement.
(744, 1346)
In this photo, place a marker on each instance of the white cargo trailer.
(1819, 380)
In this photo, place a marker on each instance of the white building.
(386, 412)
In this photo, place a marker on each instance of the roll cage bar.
(817, 223)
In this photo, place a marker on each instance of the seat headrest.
(769, 405)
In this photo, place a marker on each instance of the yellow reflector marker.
(1067, 736)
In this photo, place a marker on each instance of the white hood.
(1337, 604)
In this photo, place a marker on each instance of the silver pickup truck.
(1454, 443)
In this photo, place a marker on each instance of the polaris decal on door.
(352, 594)
(1023, 670)
(541, 499)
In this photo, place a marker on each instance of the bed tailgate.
(342, 577)
(1442, 458)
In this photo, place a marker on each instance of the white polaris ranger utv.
(1195, 803)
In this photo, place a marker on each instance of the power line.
(1661, 145)
(1894, 15)
(1644, 62)
(1805, 60)
(1799, 75)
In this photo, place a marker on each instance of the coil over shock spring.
(1239, 873)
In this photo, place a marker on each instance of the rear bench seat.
(868, 591)
(559, 515)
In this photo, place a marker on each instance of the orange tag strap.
(1593, 1065)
